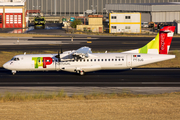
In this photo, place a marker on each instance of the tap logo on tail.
(161, 43)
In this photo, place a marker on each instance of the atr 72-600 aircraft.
(83, 60)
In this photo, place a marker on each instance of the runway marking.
(89, 41)
(128, 43)
(67, 38)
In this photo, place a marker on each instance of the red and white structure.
(12, 13)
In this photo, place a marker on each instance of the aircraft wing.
(82, 52)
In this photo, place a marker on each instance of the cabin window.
(119, 59)
(84, 60)
(91, 60)
(87, 60)
(98, 59)
(112, 59)
(105, 59)
(94, 60)
(115, 59)
(101, 59)
(122, 59)
(109, 59)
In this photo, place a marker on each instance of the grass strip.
(139, 107)
(61, 95)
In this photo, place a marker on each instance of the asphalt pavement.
(137, 81)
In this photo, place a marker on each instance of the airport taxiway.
(96, 43)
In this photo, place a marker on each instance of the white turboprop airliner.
(83, 60)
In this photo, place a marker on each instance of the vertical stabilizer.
(160, 44)
(165, 38)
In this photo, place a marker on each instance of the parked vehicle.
(39, 22)
(144, 25)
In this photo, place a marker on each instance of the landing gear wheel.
(13, 72)
(81, 72)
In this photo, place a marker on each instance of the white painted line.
(65, 38)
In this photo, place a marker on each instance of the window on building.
(113, 17)
(113, 27)
(127, 27)
(127, 17)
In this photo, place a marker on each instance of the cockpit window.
(15, 59)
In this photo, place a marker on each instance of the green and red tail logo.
(161, 43)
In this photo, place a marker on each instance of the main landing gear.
(80, 72)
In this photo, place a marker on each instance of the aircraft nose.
(5, 66)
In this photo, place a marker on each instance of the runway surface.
(135, 77)
(138, 81)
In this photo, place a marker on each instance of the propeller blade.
(59, 58)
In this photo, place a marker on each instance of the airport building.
(12, 14)
(156, 12)
(125, 23)
(80, 7)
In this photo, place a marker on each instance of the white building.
(125, 23)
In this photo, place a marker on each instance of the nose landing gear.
(13, 72)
